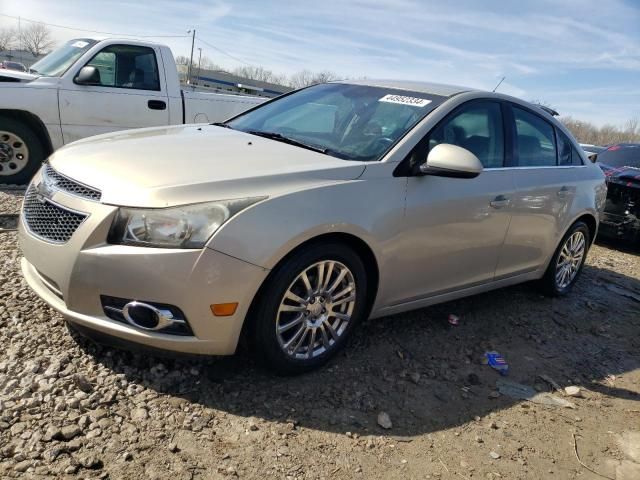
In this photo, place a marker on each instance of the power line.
(90, 31)
(223, 52)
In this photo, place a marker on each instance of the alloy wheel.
(570, 259)
(316, 309)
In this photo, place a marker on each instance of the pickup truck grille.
(48, 220)
(65, 184)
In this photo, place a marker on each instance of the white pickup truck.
(88, 87)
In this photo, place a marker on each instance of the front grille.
(48, 220)
(59, 181)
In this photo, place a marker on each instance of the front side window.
(535, 140)
(353, 122)
(126, 66)
(476, 127)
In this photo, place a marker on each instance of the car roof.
(441, 89)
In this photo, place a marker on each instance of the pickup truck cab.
(89, 87)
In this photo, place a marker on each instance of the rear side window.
(567, 154)
(535, 140)
(476, 127)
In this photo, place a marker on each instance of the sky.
(580, 56)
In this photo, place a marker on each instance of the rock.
(572, 391)
(253, 427)
(71, 469)
(52, 433)
(173, 448)
(384, 420)
(494, 394)
(69, 432)
(479, 439)
(22, 466)
(415, 377)
(139, 414)
(91, 462)
(98, 414)
(494, 455)
(83, 383)
(127, 456)
(493, 425)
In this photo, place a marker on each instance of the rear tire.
(308, 308)
(567, 261)
(21, 152)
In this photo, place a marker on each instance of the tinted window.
(535, 140)
(621, 156)
(476, 127)
(126, 66)
(576, 158)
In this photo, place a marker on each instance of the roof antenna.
(501, 80)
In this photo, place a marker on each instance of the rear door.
(546, 181)
(128, 91)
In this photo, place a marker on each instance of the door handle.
(563, 192)
(157, 105)
(499, 202)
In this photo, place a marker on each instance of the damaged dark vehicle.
(621, 166)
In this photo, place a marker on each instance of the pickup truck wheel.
(309, 307)
(21, 152)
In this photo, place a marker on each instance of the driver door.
(455, 228)
(128, 91)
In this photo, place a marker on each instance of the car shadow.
(423, 372)
(620, 244)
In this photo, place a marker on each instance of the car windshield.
(58, 61)
(621, 156)
(351, 122)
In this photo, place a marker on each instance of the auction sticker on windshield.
(401, 99)
(79, 44)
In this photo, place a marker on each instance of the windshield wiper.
(291, 141)
(221, 124)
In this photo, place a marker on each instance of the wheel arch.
(356, 243)
(34, 122)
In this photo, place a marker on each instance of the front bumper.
(72, 276)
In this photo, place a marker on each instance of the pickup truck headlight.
(187, 226)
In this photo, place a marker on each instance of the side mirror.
(88, 76)
(593, 157)
(446, 160)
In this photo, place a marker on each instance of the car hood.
(158, 167)
(16, 76)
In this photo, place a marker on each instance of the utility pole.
(199, 62)
(193, 40)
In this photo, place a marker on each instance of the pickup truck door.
(128, 90)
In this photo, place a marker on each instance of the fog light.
(224, 309)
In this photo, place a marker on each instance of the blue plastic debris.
(497, 362)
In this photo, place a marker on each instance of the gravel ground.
(72, 409)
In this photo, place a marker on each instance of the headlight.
(188, 226)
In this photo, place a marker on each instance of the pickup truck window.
(59, 61)
(352, 122)
(127, 66)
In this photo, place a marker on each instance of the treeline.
(299, 79)
(586, 132)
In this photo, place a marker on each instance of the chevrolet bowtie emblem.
(44, 189)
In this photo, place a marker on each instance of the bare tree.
(36, 39)
(304, 78)
(8, 37)
(260, 74)
(586, 132)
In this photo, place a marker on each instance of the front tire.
(21, 152)
(567, 261)
(309, 307)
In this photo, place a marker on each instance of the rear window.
(621, 156)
